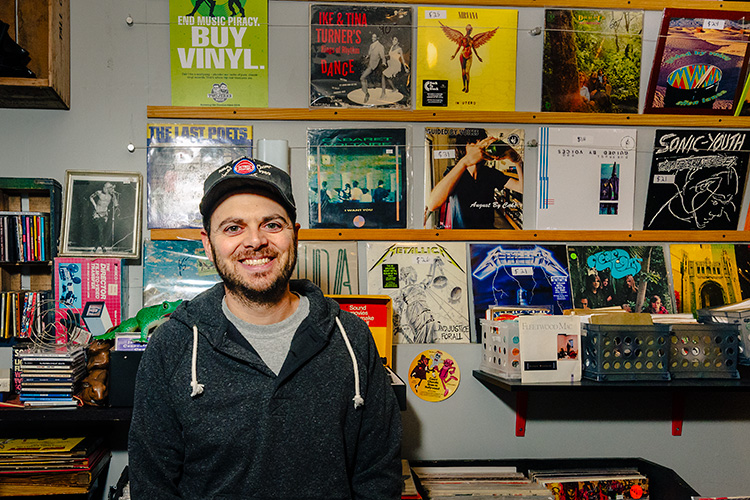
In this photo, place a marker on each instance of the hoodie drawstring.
(358, 399)
(197, 388)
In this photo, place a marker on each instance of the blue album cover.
(175, 270)
(512, 274)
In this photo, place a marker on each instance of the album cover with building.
(704, 275)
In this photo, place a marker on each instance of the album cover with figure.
(427, 282)
(629, 277)
(357, 177)
(179, 157)
(697, 179)
(466, 58)
(489, 192)
(360, 56)
(592, 60)
(700, 62)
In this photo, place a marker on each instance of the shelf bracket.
(678, 412)
(522, 401)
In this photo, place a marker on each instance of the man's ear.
(207, 245)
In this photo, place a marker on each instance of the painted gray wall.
(117, 70)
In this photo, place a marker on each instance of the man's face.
(253, 245)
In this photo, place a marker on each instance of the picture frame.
(102, 214)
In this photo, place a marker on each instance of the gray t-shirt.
(271, 342)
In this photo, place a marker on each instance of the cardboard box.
(89, 296)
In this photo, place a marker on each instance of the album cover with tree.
(592, 60)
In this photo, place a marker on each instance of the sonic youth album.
(519, 275)
(219, 53)
(332, 265)
(489, 193)
(704, 275)
(466, 58)
(592, 60)
(700, 62)
(357, 178)
(427, 282)
(629, 277)
(360, 56)
(697, 179)
(175, 270)
(179, 157)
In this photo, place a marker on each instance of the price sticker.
(627, 143)
(582, 139)
(436, 14)
(713, 24)
(663, 179)
(444, 154)
(521, 271)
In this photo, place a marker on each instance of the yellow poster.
(704, 275)
(466, 58)
(434, 375)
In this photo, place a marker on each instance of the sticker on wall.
(434, 375)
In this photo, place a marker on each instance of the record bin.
(501, 354)
(625, 352)
(704, 351)
(742, 318)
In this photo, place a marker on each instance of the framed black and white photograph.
(102, 214)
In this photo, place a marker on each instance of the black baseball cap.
(245, 173)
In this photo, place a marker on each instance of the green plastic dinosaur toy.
(145, 320)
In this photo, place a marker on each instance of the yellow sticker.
(434, 375)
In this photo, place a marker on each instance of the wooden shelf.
(490, 235)
(44, 31)
(584, 4)
(396, 115)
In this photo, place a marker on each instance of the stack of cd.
(51, 376)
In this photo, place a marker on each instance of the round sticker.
(359, 221)
(434, 375)
(244, 167)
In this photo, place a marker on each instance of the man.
(261, 387)
(375, 58)
(105, 203)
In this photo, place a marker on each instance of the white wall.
(117, 70)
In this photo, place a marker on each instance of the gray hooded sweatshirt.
(212, 421)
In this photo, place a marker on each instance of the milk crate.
(704, 351)
(742, 318)
(625, 352)
(501, 354)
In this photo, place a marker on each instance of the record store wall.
(119, 68)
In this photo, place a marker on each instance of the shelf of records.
(403, 63)
(584, 180)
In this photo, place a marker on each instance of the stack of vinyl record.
(51, 376)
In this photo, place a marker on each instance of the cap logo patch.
(244, 166)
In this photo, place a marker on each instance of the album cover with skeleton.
(427, 283)
(519, 275)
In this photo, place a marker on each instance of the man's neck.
(263, 314)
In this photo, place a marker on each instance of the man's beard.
(266, 296)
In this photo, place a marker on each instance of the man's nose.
(254, 238)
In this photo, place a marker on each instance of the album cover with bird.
(427, 282)
(466, 58)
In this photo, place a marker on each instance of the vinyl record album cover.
(520, 275)
(179, 157)
(629, 277)
(697, 179)
(586, 178)
(704, 275)
(175, 269)
(592, 60)
(466, 58)
(489, 192)
(360, 56)
(427, 282)
(332, 265)
(357, 177)
(700, 62)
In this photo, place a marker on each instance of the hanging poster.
(219, 53)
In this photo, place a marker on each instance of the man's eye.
(273, 226)
(234, 228)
